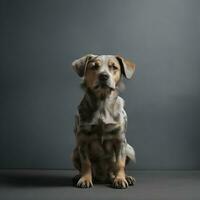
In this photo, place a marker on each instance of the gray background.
(39, 91)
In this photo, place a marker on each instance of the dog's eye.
(113, 66)
(94, 65)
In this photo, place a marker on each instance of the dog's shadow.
(42, 178)
(37, 179)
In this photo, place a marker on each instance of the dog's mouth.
(103, 85)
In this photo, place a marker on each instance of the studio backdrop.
(40, 92)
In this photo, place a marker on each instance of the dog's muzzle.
(103, 77)
(104, 82)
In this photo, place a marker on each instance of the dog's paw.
(85, 182)
(131, 180)
(120, 183)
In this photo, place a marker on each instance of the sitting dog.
(101, 151)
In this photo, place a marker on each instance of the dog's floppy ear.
(127, 67)
(79, 65)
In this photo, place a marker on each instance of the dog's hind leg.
(130, 179)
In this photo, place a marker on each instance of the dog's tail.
(130, 152)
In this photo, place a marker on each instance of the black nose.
(103, 76)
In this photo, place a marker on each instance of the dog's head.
(103, 73)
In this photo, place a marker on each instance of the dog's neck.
(103, 97)
(91, 103)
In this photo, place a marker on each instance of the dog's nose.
(103, 76)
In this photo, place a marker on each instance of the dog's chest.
(104, 116)
(101, 126)
(103, 122)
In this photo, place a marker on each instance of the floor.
(57, 184)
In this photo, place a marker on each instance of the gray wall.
(39, 91)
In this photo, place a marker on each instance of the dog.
(102, 152)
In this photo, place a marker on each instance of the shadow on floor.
(36, 180)
(42, 180)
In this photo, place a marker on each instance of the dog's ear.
(127, 67)
(79, 65)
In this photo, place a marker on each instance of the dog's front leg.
(86, 172)
(120, 178)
